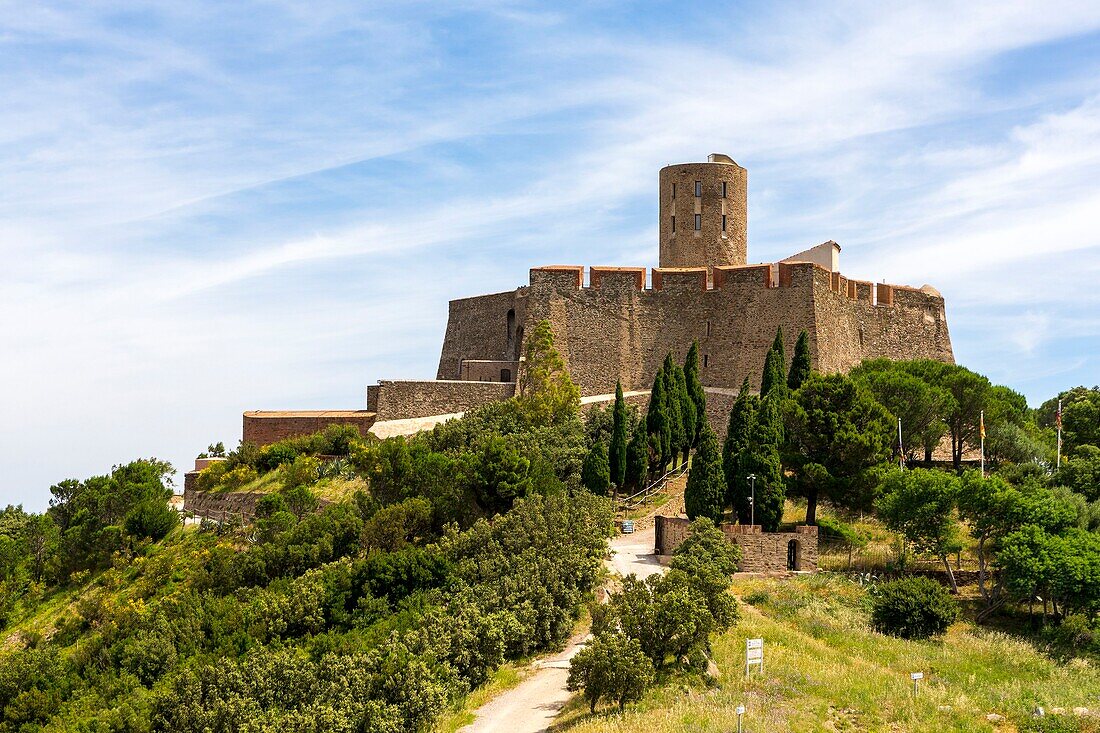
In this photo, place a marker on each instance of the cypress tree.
(777, 347)
(739, 434)
(695, 389)
(657, 423)
(706, 484)
(637, 458)
(752, 449)
(595, 473)
(800, 362)
(677, 437)
(687, 410)
(773, 376)
(617, 452)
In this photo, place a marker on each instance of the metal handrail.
(629, 501)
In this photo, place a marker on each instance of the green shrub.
(212, 476)
(152, 519)
(275, 455)
(912, 608)
(238, 477)
(303, 471)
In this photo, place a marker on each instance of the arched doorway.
(792, 555)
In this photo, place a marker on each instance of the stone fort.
(617, 323)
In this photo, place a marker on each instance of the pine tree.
(695, 389)
(800, 362)
(595, 473)
(617, 452)
(677, 437)
(706, 485)
(687, 411)
(657, 423)
(637, 458)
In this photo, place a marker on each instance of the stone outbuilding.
(761, 552)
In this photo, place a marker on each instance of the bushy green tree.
(595, 474)
(1081, 472)
(921, 505)
(800, 362)
(547, 393)
(501, 475)
(837, 433)
(617, 452)
(706, 484)
(151, 520)
(611, 666)
(912, 608)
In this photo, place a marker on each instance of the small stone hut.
(761, 551)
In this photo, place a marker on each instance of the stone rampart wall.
(400, 400)
(760, 551)
(265, 427)
(481, 328)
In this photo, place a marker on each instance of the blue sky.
(213, 207)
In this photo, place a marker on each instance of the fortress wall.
(265, 427)
(400, 400)
(905, 323)
(607, 335)
(478, 328)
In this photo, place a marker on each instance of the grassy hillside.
(827, 671)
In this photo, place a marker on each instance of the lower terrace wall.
(761, 552)
(400, 400)
(263, 427)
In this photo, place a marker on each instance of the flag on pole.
(1058, 422)
(981, 424)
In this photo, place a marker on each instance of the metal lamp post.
(752, 499)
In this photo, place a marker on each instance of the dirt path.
(532, 705)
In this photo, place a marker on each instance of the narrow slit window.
(723, 222)
(723, 189)
(708, 329)
(674, 190)
(698, 189)
(674, 225)
(698, 222)
(706, 360)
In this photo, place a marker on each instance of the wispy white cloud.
(207, 208)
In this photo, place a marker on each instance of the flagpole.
(981, 422)
(1059, 421)
(901, 448)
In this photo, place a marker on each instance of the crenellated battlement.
(766, 276)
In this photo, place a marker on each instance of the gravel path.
(532, 705)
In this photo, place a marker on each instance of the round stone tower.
(704, 213)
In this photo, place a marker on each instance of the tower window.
(723, 222)
(674, 225)
(698, 222)
(708, 329)
(674, 190)
(723, 189)
(698, 189)
(706, 360)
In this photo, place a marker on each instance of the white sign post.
(740, 715)
(754, 654)
(916, 677)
